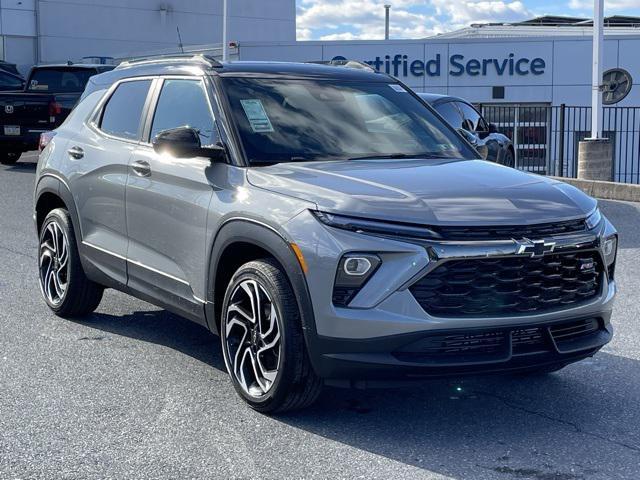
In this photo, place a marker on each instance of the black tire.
(509, 159)
(9, 158)
(295, 385)
(81, 296)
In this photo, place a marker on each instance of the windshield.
(297, 120)
(60, 80)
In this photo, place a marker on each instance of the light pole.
(224, 31)
(595, 154)
(386, 21)
(596, 73)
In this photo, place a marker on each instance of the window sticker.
(34, 85)
(397, 88)
(257, 116)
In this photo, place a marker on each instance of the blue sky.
(353, 19)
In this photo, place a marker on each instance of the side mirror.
(468, 136)
(493, 128)
(184, 142)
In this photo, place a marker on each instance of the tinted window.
(9, 82)
(293, 120)
(121, 115)
(184, 103)
(473, 120)
(59, 79)
(450, 113)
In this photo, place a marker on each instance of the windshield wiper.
(399, 156)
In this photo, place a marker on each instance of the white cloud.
(364, 19)
(609, 5)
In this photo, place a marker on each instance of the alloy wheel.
(54, 263)
(252, 338)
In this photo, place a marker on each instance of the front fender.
(272, 240)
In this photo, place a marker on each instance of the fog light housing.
(354, 269)
(356, 266)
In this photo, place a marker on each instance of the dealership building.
(532, 78)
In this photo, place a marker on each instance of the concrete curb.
(607, 190)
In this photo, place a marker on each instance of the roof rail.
(345, 63)
(172, 57)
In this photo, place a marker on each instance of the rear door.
(99, 159)
(168, 200)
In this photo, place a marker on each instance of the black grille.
(540, 230)
(573, 331)
(343, 295)
(509, 286)
(492, 344)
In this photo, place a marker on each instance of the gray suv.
(324, 221)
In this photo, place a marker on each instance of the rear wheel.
(9, 158)
(65, 287)
(262, 340)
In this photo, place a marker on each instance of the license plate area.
(11, 130)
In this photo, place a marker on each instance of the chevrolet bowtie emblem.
(534, 248)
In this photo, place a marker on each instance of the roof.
(433, 98)
(548, 25)
(201, 65)
(73, 65)
(291, 69)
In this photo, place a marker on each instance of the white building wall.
(565, 78)
(72, 29)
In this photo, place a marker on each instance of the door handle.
(141, 168)
(76, 152)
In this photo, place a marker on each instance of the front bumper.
(509, 349)
(384, 319)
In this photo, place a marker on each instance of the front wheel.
(509, 160)
(9, 158)
(262, 340)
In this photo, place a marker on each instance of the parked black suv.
(49, 94)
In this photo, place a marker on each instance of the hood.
(435, 192)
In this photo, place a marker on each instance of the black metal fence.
(546, 137)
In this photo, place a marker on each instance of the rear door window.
(122, 113)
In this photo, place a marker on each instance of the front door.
(168, 200)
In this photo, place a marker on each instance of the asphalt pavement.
(133, 392)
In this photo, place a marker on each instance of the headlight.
(354, 269)
(594, 219)
(609, 250)
(364, 225)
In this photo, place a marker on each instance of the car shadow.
(567, 426)
(555, 426)
(162, 328)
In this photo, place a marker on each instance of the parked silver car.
(329, 226)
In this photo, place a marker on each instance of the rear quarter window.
(122, 112)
